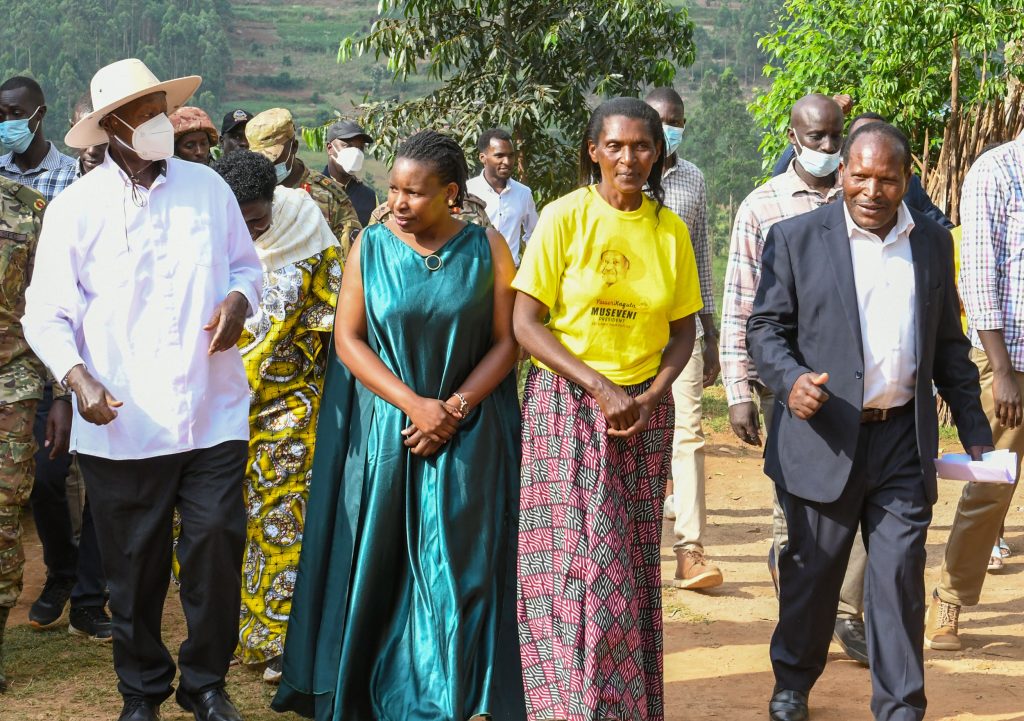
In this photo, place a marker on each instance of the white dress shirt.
(883, 271)
(126, 290)
(512, 211)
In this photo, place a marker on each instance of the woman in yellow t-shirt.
(607, 294)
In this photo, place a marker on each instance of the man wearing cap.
(232, 131)
(150, 275)
(346, 144)
(272, 135)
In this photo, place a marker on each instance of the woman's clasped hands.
(432, 424)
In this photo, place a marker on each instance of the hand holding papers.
(994, 467)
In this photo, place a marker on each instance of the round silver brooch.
(433, 262)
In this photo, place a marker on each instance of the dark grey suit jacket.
(806, 319)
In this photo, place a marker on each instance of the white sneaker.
(670, 508)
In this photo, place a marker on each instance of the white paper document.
(994, 467)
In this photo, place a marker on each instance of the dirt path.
(716, 645)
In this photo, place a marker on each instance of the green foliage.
(726, 35)
(893, 57)
(720, 139)
(522, 64)
(61, 43)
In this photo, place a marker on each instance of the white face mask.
(815, 162)
(153, 140)
(350, 159)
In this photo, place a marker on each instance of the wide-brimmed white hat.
(118, 84)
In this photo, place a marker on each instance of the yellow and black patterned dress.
(285, 348)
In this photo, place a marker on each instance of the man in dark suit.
(855, 316)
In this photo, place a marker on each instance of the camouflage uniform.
(334, 204)
(472, 210)
(21, 384)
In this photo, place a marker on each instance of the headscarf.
(298, 230)
(189, 119)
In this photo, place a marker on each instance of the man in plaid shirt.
(686, 196)
(816, 133)
(32, 160)
(992, 290)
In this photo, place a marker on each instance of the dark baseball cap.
(233, 119)
(346, 130)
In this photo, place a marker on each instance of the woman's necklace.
(433, 262)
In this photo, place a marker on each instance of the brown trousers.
(981, 510)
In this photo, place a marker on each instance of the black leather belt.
(877, 415)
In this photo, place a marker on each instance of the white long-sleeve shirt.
(512, 211)
(126, 290)
(883, 273)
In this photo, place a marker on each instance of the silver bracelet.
(463, 404)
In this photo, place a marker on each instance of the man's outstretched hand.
(808, 395)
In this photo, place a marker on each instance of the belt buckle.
(883, 415)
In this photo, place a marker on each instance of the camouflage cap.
(269, 132)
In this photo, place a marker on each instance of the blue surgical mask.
(673, 136)
(815, 162)
(282, 171)
(16, 136)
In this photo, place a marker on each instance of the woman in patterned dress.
(608, 292)
(285, 346)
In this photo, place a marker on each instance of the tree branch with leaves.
(528, 66)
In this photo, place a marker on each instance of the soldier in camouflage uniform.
(472, 210)
(272, 134)
(21, 385)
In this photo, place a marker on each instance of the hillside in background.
(257, 54)
(285, 53)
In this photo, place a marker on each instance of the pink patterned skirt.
(589, 606)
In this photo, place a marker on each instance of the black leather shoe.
(788, 705)
(849, 634)
(137, 708)
(212, 705)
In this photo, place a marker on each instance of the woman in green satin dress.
(404, 608)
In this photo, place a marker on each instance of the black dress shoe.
(212, 705)
(137, 708)
(788, 705)
(849, 634)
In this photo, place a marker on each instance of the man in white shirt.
(151, 273)
(510, 204)
(856, 316)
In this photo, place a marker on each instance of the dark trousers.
(133, 504)
(64, 558)
(885, 497)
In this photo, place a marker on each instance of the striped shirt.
(50, 177)
(686, 196)
(784, 196)
(992, 247)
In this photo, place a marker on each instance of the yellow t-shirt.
(613, 281)
(957, 233)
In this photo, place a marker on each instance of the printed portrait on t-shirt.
(614, 266)
(618, 302)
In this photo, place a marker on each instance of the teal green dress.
(404, 606)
